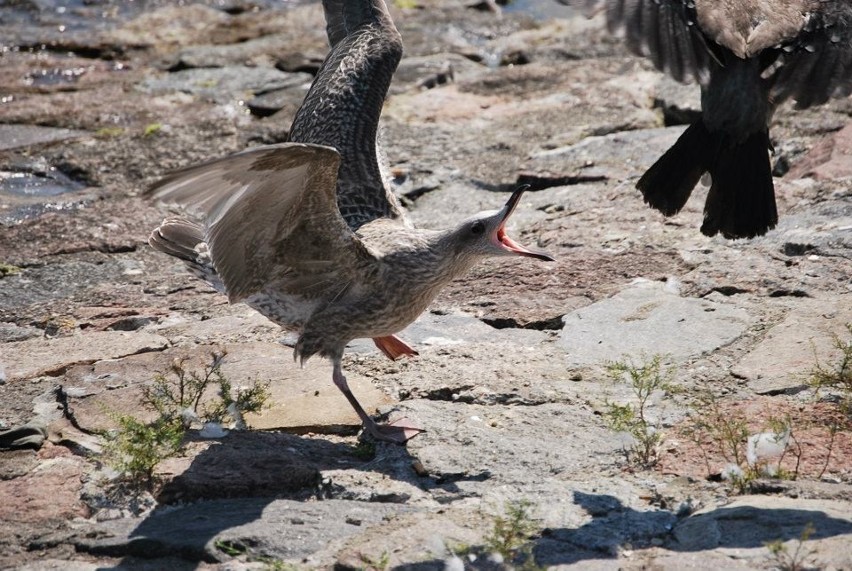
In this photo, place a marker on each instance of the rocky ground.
(511, 379)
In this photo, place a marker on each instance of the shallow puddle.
(28, 193)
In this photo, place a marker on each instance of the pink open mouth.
(506, 242)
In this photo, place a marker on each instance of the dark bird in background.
(308, 234)
(748, 56)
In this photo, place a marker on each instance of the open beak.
(502, 240)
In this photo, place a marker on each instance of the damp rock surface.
(513, 380)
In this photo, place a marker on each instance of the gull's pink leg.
(398, 432)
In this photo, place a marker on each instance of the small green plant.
(382, 563)
(725, 431)
(797, 560)
(511, 534)
(171, 396)
(839, 376)
(229, 547)
(152, 129)
(633, 419)
(136, 448)
(109, 132)
(781, 434)
(176, 395)
(232, 406)
(365, 450)
(8, 270)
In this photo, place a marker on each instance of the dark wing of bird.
(342, 17)
(270, 216)
(664, 31)
(817, 64)
(343, 106)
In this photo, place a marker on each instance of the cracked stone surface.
(649, 318)
(510, 381)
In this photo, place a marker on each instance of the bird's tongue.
(503, 239)
(513, 246)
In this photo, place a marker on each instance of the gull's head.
(485, 233)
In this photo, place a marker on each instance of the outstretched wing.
(817, 64)
(342, 108)
(343, 17)
(805, 46)
(664, 31)
(270, 217)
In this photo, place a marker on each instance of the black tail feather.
(667, 185)
(741, 201)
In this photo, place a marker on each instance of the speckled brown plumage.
(307, 233)
(353, 82)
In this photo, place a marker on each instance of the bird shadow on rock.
(284, 465)
(615, 526)
(259, 464)
(231, 483)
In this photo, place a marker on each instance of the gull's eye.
(477, 228)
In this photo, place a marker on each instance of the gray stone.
(649, 318)
(426, 72)
(49, 492)
(558, 103)
(16, 463)
(283, 529)
(610, 157)
(454, 329)
(27, 359)
(221, 84)
(248, 464)
(751, 521)
(15, 136)
(65, 565)
(303, 399)
(270, 102)
(786, 357)
(10, 332)
(222, 55)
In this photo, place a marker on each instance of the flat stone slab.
(15, 136)
(451, 329)
(246, 464)
(649, 318)
(301, 399)
(614, 156)
(35, 357)
(829, 159)
(744, 526)
(222, 84)
(48, 492)
(282, 529)
(790, 351)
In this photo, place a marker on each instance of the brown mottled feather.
(270, 214)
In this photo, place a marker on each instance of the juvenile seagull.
(307, 233)
(748, 56)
